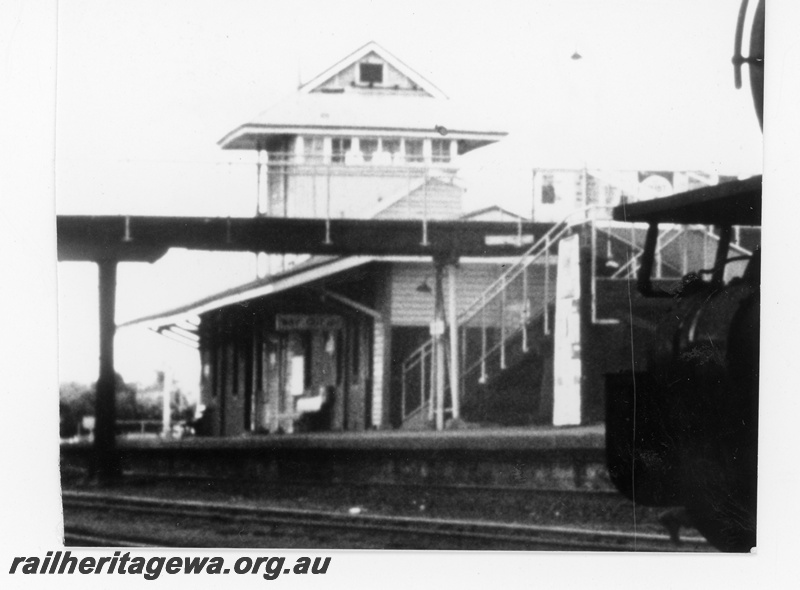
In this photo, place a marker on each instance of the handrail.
(681, 230)
(621, 271)
(548, 240)
(540, 249)
(500, 323)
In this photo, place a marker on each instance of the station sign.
(287, 322)
(508, 240)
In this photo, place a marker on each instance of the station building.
(368, 138)
(344, 343)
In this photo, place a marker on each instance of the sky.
(146, 89)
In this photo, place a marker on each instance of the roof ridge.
(373, 46)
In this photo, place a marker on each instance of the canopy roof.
(731, 203)
(139, 238)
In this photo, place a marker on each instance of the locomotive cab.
(683, 431)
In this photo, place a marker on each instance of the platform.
(511, 439)
(544, 457)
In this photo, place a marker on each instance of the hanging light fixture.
(424, 287)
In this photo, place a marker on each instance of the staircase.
(505, 340)
(494, 331)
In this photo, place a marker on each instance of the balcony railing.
(359, 159)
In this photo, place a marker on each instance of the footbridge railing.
(495, 326)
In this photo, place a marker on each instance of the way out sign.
(288, 322)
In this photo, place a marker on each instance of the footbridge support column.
(107, 464)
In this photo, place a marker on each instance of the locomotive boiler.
(683, 432)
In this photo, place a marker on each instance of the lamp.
(423, 287)
(611, 264)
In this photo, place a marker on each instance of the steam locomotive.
(684, 431)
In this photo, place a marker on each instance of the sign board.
(654, 186)
(287, 322)
(310, 404)
(437, 327)
(509, 240)
(296, 383)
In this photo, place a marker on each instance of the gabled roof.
(313, 109)
(353, 58)
(382, 207)
(494, 213)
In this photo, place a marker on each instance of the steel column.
(107, 465)
(453, 320)
(440, 347)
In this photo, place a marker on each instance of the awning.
(304, 274)
(132, 238)
(731, 203)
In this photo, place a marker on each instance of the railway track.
(491, 497)
(436, 532)
(151, 476)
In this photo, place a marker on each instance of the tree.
(133, 402)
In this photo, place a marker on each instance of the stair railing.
(504, 309)
(510, 305)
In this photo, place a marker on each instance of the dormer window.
(370, 73)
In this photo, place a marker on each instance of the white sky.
(147, 88)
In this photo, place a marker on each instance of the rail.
(503, 311)
(344, 159)
(499, 324)
(417, 531)
(683, 249)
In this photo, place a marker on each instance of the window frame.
(339, 156)
(365, 155)
(313, 148)
(444, 146)
(549, 197)
(418, 157)
(362, 80)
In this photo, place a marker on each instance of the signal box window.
(414, 150)
(339, 147)
(440, 150)
(391, 146)
(548, 190)
(368, 148)
(313, 149)
(370, 73)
